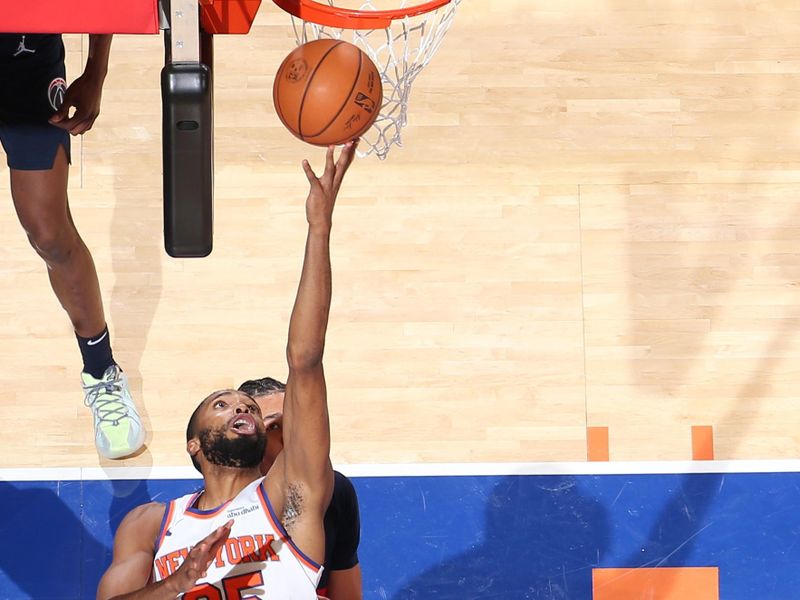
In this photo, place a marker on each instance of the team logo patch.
(56, 92)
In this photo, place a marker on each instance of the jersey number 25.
(232, 588)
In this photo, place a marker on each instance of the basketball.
(327, 92)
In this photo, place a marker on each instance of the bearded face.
(239, 452)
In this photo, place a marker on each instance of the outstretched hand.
(199, 559)
(324, 189)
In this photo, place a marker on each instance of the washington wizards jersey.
(258, 560)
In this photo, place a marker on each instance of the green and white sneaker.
(118, 430)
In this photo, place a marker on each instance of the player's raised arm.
(303, 470)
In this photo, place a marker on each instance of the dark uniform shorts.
(32, 88)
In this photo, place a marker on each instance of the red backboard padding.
(228, 16)
(79, 16)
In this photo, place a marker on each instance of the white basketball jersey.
(258, 560)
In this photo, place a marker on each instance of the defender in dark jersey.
(341, 578)
(35, 125)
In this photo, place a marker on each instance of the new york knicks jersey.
(258, 560)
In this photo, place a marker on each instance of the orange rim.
(347, 18)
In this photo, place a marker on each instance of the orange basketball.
(327, 92)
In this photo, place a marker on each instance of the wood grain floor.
(593, 222)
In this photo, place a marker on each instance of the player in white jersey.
(244, 536)
(257, 541)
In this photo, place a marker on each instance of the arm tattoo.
(293, 507)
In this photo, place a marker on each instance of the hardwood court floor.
(593, 222)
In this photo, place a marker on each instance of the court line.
(431, 470)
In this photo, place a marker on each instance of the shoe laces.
(105, 399)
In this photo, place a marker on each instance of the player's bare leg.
(40, 199)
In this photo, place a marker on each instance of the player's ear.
(193, 446)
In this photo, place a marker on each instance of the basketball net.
(399, 52)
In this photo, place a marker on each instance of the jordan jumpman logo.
(22, 48)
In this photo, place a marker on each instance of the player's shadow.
(115, 498)
(44, 539)
(57, 536)
(687, 520)
(541, 539)
(544, 534)
(684, 521)
(105, 508)
(681, 524)
(136, 241)
(64, 530)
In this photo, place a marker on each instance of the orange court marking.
(597, 444)
(702, 442)
(666, 583)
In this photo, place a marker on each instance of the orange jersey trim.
(169, 512)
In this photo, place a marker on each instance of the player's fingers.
(58, 116)
(220, 538)
(312, 178)
(348, 153)
(86, 124)
(198, 551)
(221, 535)
(352, 154)
(65, 124)
(214, 535)
(63, 111)
(210, 557)
(211, 539)
(345, 160)
(330, 167)
(70, 123)
(202, 551)
(80, 116)
(81, 127)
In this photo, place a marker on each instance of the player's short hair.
(262, 387)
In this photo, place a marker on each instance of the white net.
(400, 52)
